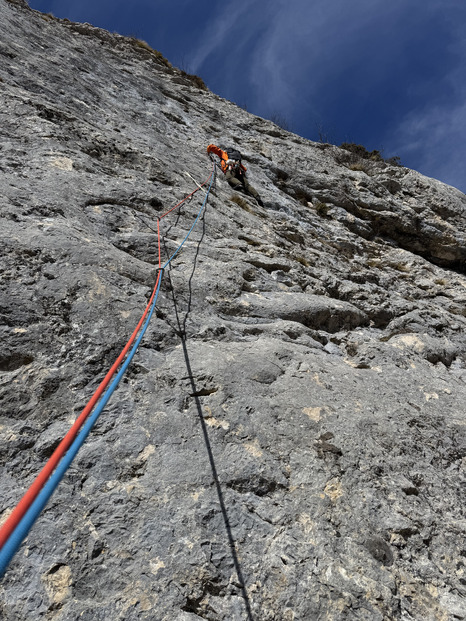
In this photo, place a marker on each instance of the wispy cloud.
(386, 74)
(219, 38)
(308, 44)
(433, 141)
(364, 64)
(431, 137)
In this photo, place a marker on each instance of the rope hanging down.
(21, 520)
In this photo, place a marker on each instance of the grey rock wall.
(289, 442)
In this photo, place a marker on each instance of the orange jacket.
(223, 155)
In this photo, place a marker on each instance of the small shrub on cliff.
(142, 44)
(373, 156)
(139, 43)
(361, 151)
(322, 209)
(302, 260)
(361, 166)
(281, 121)
(235, 198)
(196, 80)
(394, 161)
(48, 17)
(400, 267)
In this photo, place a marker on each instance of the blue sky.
(390, 75)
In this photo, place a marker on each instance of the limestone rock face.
(289, 441)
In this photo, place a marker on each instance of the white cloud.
(216, 37)
(307, 49)
(433, 141)
(432, 137)
(311, 43)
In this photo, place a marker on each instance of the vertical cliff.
(289, 442)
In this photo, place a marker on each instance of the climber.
(235, 172)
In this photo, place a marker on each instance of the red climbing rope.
(186, 198)
(25, 502)
(158, 242)
(21, 508)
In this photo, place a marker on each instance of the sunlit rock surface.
(300, 453)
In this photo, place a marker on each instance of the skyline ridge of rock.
(289, 441)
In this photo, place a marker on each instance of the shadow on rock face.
(380, 550)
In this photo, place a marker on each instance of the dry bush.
(302, 260)
(235, 198)
(322, 209)
(143, 45)
(196, 80)
(359, 166)
(361, 151)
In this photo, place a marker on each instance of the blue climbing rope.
(194, 224)
(13, 543)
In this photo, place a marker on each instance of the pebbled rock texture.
(289, 442)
